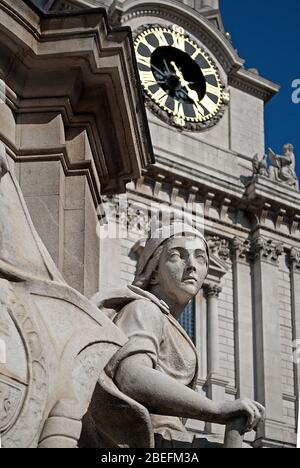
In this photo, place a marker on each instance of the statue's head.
(175, 259)
(288, 148)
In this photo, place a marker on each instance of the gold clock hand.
(193, 95)
(178, 72)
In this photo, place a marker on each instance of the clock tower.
(206, 116)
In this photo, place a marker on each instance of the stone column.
(265, 254)
(295, 284)
(212, 295)
(215, 384)
(243, 318)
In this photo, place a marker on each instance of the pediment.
(217, 268)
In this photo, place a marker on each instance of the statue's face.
(183, 268)
(288, 148)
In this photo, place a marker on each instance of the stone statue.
(260, 166)
(283, 168)
(53, 342)
(148, 389)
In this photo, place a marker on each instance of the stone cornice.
(274, 206)
(276, 210)
(270, 191)
(253, 84)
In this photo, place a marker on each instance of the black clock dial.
(178, 76)
(164, 71)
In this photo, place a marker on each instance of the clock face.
(179, 77)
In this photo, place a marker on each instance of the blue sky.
(266, 34)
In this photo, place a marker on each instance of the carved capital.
(295, 260)
(219, 247)
(212, 291)
(240, 249)
(266, 249)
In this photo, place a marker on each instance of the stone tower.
(245, 322)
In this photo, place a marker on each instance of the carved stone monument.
(54, 343)
(150, 383)
(283, 168)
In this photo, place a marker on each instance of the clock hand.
(167, 66)
(157, 69)
(193, 95)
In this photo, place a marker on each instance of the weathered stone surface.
(54, 342)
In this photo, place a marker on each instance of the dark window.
(187, 320)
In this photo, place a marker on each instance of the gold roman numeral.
(212, 89)
(208, 104)
(179, 110)
(143, 60)
(147, 78)
(207, 71)
(160, 36)
(178, 41)
(195, 54)
(160, 96)
(199, 111)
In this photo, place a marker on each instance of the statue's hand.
(253, 412)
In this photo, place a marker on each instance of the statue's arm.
(161, 394)
(136, 376)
